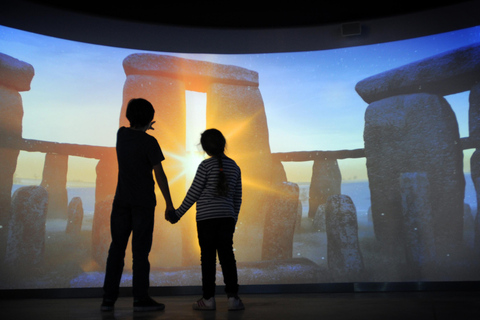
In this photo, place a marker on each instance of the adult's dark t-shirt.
(137, 153)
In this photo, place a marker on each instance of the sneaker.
(147, 304)
(234, 303)
(205, 304)
(107, 305)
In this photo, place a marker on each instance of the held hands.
(171, 216)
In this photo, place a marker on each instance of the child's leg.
(120, 229)
(226, 229)
(143, 221)
(208, 256)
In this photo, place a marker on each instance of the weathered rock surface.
(75, 216)
(417, 222)
(443, 74)
(26, 230)
(476, 239)
(414, 133)
(475, 170)
(468, 226)
(101, 237)
(54, 180)
(15, 74)
(319, 220)
(474, 113)
(280, 223)
(326, 181)
(195, 74)
(106, 177)
(345, 259)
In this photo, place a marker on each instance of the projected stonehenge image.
(418, 226)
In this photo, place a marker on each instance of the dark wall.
(96, 29)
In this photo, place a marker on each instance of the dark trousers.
(216, 235)
(139, 221)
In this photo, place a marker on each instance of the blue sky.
(309, 97)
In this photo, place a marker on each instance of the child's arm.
(163, 184)
(194, 192)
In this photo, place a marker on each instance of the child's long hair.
(213, 143)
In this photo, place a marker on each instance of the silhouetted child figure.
(138, 154)
(217, 190)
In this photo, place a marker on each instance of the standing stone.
(298, 219)
(235, 107)
(394, 113)
(326, 181)
(418, 222)
(475, 170)
(319, 220)
(278, 172)
(54, 180)
(105, 186)
(474, 131)
(106, 177)
(11, 114)
(474, 114)
(345, 260)
(26, 230)
(101, 236)
(15, 76)
(414, 133)
(280, 223)
(279, 176)
(468, 226)
(239, 113)
(75, 216)
(476, 239)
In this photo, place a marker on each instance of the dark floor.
(322, 306)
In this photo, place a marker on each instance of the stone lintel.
(443, 74)
(195, 74)
(15, 74)
(79, 150)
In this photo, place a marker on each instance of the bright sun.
(189, 163)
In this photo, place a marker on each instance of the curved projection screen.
(355, 161)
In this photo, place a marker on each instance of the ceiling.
(214, 14)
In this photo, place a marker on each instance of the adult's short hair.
(140, 112)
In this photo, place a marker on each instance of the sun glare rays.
(188, 154)
(186, 164)
(240, 126)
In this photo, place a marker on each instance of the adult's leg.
(226, 229)
(143, 222)
(208, 256)
(120, 229)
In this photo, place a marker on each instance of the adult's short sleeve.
(137, 154)
(155, 154)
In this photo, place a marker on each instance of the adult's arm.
(162, 181)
